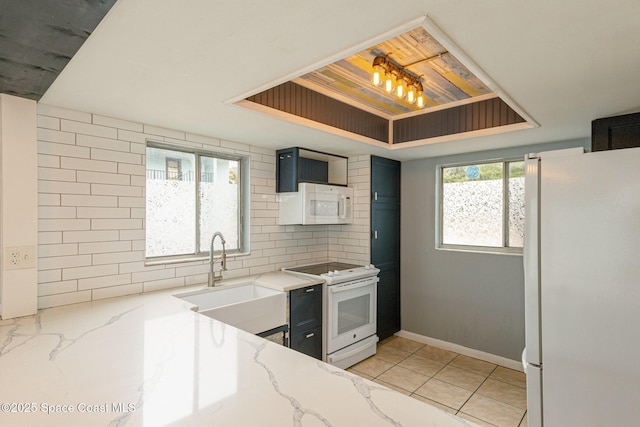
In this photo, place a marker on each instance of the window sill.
(481, 250)
(188, 258)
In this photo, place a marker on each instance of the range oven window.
(353, 313)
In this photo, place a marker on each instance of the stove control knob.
(330, 273)
(371, 266)
(336, 273)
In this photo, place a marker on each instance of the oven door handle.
(355, 285)
(363, 345)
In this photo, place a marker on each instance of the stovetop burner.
(325, 267)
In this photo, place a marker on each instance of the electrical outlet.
(17, 257)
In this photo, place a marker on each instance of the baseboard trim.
(487, 357)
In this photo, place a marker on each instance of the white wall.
(91, 180)
(18, 218)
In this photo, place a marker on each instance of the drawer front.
(306, 308)
(308, 342)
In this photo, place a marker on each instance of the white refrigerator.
(582, 288)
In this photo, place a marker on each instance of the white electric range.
(350, 298)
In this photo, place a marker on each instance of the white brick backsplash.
(63, 299)
(132, 235)
(45, 276)
(138, 266)
(138, 245)
(88, 129)
(126, 135)
(77, 200)
(131, 202)
(169, 133)
(130, 169)
(92, 182)
(116, 291)
(88, 165)
(103, 178)
(163, 284)
(92, 212)
(116, 224)
(85, 272)
(118, 257)
(56, 250)
(98, 142)
(56, 212)
(138, 181)
(146, 276)
(49, 237)
(63, 187)
(64, 262)
(115, 190)
(117, 123)
(51, 135)
(192, 270)
(198, 279)
(45, 122)
(62, 113)
(116, 156)
(104, 247)
(104, 281)
(205, 140)
(63, 150)
(235, 146)
(89, 236)
(46, 161)
(53, 288)
(63, 224)
(56, 174)
(138, 148)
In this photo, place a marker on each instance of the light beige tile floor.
(478, 391)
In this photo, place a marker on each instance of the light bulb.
(376, 76)
(411, 94)
(401, 88)
(389, 82)
(420, 100)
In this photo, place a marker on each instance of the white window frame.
(502, 250)
(243, 204)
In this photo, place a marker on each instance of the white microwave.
(316, 204)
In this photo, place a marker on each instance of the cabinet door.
(385, 242)
(612, 133)
(305, 309)
(308, 342)
(287, 170)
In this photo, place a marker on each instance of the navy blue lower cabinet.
(305, 320)
(308, 342)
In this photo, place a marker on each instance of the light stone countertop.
(148, 360)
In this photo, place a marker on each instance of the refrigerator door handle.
(531, 260)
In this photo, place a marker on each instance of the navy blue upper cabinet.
(295, 165)
(612, 133)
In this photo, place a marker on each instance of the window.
(174, 168)
(482, 206)
(190, 195)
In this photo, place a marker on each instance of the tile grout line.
(476, 391)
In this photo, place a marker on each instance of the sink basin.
(246, 306)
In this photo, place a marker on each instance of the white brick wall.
(91, 212)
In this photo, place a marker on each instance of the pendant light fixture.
(396, 79)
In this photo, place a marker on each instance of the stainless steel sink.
(247, 306)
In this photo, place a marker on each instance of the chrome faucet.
(223, 260)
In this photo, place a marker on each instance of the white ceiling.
(174, 64)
